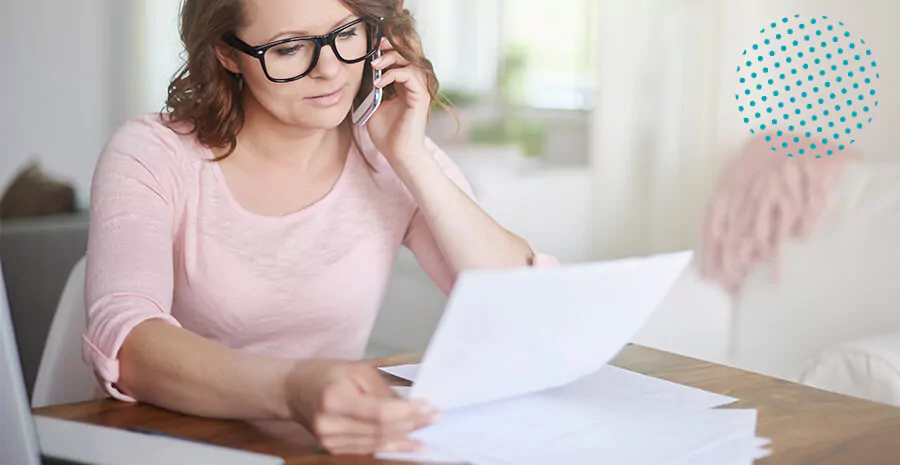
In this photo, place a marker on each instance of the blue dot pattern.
(837, 60)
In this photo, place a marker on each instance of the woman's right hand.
(350, 408)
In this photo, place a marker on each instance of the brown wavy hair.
(207, 97)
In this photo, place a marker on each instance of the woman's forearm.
(170, 367)
(468, 237)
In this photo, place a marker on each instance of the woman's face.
(323, 98)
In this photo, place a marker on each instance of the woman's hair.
(207, 97)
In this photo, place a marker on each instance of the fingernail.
(377, 82)
(402, 446)
(437, 418)
(391, 447)
(427, 409)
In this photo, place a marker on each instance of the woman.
(241, 243)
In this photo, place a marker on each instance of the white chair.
(63, 377)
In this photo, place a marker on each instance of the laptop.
(26, 439)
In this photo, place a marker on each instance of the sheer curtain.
(158, 51)
(653, 146)
(462, 39)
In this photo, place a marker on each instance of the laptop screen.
(18, 439)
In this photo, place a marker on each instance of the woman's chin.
(326, 118)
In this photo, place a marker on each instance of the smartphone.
(369, 97)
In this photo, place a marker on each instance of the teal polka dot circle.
(807, 69)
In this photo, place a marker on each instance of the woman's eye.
(287, 50)
(348, 33)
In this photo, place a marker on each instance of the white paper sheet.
(622, 437)
(613, 384)
(739, 451)
(431, 455)
(511, 332)
(575, 407)
(743, 450)
(518, 365)
(407, 372)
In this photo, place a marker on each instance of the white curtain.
(158, 51)
(462, 39)
(653, 148)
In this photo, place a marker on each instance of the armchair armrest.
(868, 368)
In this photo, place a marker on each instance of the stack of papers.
(519, 365)
(613, 416)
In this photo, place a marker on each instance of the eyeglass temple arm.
(239, 44)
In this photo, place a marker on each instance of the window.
(462, 39)
(549, 53)
(535, 53)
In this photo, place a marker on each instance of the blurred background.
(597, 129)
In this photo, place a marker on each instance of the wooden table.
(807, 426)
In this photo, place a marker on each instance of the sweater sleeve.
(129, 276)
(422, 243)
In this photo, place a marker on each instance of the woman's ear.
(226, 57)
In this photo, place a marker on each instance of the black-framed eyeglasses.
(288, 60)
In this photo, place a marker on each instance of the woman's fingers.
(382, 411)
(335, 425)
(332, 425)
(359, 445)
(347, 445)
(364, 396)
(385, 45)
(370, 382)
(404, 445)
(413, 87)
(389, 59)
(406, 76)
(360, 414)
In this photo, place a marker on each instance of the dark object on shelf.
(33, 193)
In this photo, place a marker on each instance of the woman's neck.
(269, 141)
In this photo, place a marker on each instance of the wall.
(76, 71)
(56, 85)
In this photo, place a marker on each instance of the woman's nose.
(329, 65)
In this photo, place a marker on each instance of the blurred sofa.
(830, 318)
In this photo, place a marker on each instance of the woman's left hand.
(398, 127)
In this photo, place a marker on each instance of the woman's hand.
(398, 127)
(351, 409)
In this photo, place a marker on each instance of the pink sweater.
(168, 241)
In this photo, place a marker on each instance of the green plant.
(512, 73)
(458, 98)
(530, 136)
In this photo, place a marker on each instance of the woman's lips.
(327, 100)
